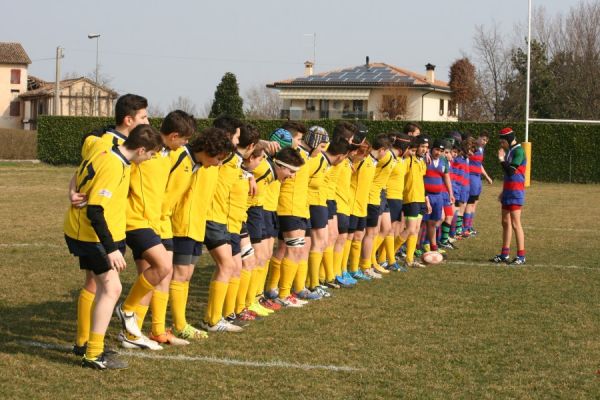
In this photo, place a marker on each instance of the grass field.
(465, 329)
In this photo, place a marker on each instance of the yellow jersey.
(414, 185)
(146, 192)
(360, 186)
(293, 199)
(238, 202)
(395, 185)
(104, 178)
(342, 186)
(229, 174)
(272, 196)
(264, 175)
(94, 143)
(331, 180)
(319, 167)
(382, 174)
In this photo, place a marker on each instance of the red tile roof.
(13, 53)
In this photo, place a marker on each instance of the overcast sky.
(166, 49)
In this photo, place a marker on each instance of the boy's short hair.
(259, 150)
(178, 121)
(128, 105)
(344, 129)
(468, 144)
(401, 141)
(212, 141)
(338, 146)
(143, 136)
(295, 127)
(381, 141)
(290, 156)
(227, 123)
(249, 134)
(411, 127)
(484, 133)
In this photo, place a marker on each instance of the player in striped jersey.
(476, 171)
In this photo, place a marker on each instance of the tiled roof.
(373, 75)
(47, 88)
(13, 53)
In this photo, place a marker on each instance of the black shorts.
(343, 222)
(412, 210)
(271, 224)
(331, 209)
(288, 223)
(318, 217)
(255, 224)
(373, 213)
(92, 256)
(473, 199)
(356, 223)
(216, 235)
(384, 207)
(186, 250)
(236, 247)
(140, 240)
(168, 243)
(395, 209)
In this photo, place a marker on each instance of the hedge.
(561, 152)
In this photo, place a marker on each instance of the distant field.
(18, 144)
(465, 329)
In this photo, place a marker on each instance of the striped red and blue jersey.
(434, 176)
(476, 162)
(513, 190)
(461, 171)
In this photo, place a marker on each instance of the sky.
(166, 49)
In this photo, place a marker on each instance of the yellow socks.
(262, 280)
(314, 263)
(230, 297)
(216, 297)
(253, 285)
(346, 255)
(240, 301)
(411, 245)
(388, 243)
(95, 345)
(178, 292)
(274, 274)
(85, 304)
(140, 313)
(365, 264)
(328, 263)
(140, 288)
(338, 258)
(398, 242)
(288, 273)
(376, 243)
(355, 255)
(159, 303)
(301, 275)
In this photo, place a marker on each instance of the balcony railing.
(322, 114)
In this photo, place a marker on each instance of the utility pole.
(96, 110)
(59, 55)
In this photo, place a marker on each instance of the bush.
(560, 152)
(18, 144)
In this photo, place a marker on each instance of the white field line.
(214, 360)
(490, 264)
(584, 230)
(29, 245)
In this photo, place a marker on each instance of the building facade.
(13, 82)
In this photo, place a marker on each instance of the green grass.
(461, 330)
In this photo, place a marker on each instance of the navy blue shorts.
(186, 250)
(474, 185)
(288, 223)
(436, 201)
(356, 223)
(373, 213)
(331, 209)
(318, 217)
(464, 194)
(343, 222)
(256, 224)
(168, 243)
(216, 235)
(92, 256)
(395, 206)
(236, 247)
(271, 224)
(456, 191)
(140, 240)
(412, 210)
(384, 205)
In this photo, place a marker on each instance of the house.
(13, 82)
(370, 91)
(76, 98)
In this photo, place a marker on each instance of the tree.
(184, 104)
(463, 84)
(393, 107)
(262, 103)
(155, 111)
(227, 98)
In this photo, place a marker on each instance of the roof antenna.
(367, 62)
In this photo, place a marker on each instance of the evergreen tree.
(227, 98)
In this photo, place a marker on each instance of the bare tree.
(155, 111)
(262, 103)
(184, 104)
(393, 107)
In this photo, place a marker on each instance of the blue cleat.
(359, 275)
(346, 275)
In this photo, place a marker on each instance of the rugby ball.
(432, 257)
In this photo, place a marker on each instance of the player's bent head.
(145, 137)
(227, 123)
(344, 129)
(412, 129)
(212, 146)
(179, 122)
(249, 135)
(338, 149)
(287, 162)
(295, 127)
(128, 105)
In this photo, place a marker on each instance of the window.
(15, 108)
(441, 106)
(310, 105)
(15, 76)
(452, 107)
(357, 105)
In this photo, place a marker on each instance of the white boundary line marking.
(535, 228)
(28, 245)
(491, 264)
(215, 360)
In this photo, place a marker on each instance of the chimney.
(367, 62)
(308, 68)
(430, 73)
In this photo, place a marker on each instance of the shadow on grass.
(53, 323)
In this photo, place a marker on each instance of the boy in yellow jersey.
(130, 111)
(383, 164)
(189, 193)
(144, 232)
(95, 231)
(223, 286)
(363, 172)
(415, 202)
(394, 196)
